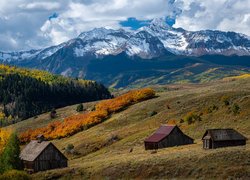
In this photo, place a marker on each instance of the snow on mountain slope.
(18, 56)
(101, 41)
(144, 45)
(147, 42)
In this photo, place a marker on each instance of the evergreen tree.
(10, 157)
(79, 108)
(24, 96)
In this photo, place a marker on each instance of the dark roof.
(223, 135)
(161, 133)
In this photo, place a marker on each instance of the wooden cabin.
(167, 136)
(216, 138)
(41, 155)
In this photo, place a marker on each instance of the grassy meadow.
(114, 149)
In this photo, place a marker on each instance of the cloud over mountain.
(27, 24)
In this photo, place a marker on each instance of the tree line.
(23, 96)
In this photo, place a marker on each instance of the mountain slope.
(99, 156)
(26, 93)
(155, 43)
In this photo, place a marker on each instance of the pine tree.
(79, 108)
(10, 156)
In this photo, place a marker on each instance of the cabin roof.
(161, 133)
(33, 150)
(223, 135)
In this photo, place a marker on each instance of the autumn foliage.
(79, 122)
(4, 136)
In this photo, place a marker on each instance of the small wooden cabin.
(216, 138)
(167, 136)
(41, 155)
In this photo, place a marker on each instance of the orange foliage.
(79, 122)
(172, 122)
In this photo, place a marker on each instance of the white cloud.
(226, 15)
(41, 5)
(82, 17)
(25, 24)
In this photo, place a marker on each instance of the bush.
(211, 109)
(215, 108)
(70, 147)
(181, 120)
(152, 113)
(113, 138)
(192, 117)
(225, 100)
(236, 109)
(15, 175)
(53, 114)
(79, 108)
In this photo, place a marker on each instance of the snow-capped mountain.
(156, 41)
(18, 56)
(147, 42)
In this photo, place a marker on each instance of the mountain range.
(156, 53)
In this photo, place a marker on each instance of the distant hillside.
(26, 93)
(123, 71)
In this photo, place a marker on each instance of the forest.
(27, 93)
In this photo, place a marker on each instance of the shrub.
(113, 138)
(236, 109)
(181, 120)
(225, 100)
(15, 175)
(192, 117)
(79, 108)
(53, 114)
(212, 108)
(215, 108)
(70, 147)
(152, 113)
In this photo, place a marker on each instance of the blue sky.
(32, 24)
(134, 23)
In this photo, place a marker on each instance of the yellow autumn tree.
(4, 136)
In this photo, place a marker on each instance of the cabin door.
(207, 144)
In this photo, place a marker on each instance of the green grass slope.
(103, 151)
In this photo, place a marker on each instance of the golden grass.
(99, 159)
(243, 76)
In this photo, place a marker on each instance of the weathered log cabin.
(167, 136)
(216, 138)
(41, 155)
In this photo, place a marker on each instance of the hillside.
(26, 93)
(104, 150)
(137, 72)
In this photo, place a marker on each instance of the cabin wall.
(175, 138)
(218, 144)
(50, 158)
(28, 165)
(151, 145)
